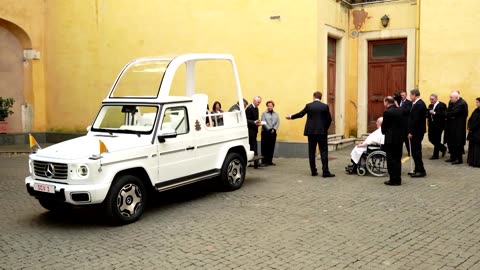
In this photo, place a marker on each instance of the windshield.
(141, 79)
(131, 118)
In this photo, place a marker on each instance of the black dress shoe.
(418, 174)
(271, 164)
(390, 183)
(314, 173)
(328, 174)
(433, 157)
(457, 162)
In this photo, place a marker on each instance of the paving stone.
(282, 218)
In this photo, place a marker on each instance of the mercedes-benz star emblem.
(49, 170)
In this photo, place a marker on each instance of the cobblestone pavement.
(282, 218)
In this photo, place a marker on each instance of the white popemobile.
(144, 141)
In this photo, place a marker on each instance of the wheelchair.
(374, 160)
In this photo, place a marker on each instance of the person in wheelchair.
(375, 138)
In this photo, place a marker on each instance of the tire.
(361, 171)
(55, 206)
(126, 200)
(376, 163)
(233, 172)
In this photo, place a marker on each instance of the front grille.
(50, 170)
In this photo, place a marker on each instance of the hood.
(87, 146)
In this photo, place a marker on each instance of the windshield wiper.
(136, 132)
(109, 131)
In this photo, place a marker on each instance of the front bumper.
(67, 193)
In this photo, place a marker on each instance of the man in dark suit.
(436, 124)
(455, 127)
(416, 131)
(406, 106)
(394, 129)
(316, 127)
(253, 122)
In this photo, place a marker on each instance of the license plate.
(44, 188)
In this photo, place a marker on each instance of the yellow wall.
(449, 49)
(402, 16)
(29, 16)
(84, 44)
(89, 42)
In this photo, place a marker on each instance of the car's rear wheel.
(233, 172)
(126, 199)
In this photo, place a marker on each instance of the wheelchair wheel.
(376, 163)
(361, 171)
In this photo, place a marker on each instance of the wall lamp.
(385, 19)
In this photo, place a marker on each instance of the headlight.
(82, 170)
(30, 166)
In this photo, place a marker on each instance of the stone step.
(334, 137)
(339, 144)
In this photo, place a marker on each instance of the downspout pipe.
(417, 47)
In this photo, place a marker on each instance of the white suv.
(144, 139)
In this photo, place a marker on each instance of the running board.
(186, 180)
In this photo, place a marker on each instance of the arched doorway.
(15, 75)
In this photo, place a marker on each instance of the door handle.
(190, 148)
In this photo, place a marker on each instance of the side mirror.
(166, 134)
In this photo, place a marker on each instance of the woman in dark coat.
(473, 137)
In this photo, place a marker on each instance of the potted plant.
(6, 105)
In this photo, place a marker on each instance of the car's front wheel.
(126, 199)
(233, 172)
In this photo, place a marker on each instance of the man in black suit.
(455, 127)
(253, 122)
(416, 131)
(316, 127)
(436, 124)
(406, 106)
(394, 129)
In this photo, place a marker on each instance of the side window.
(175, 119)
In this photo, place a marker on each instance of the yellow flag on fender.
(103, 147)
(34, 146)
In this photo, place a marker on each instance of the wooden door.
(331, 76)
(387, 67)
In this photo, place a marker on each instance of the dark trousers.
(416, 144)
(394, 161)
(321, 141)
(407, 143)
(252, 140)
(435, 137)
(456, 151)
(268, 146)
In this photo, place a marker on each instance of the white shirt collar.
(416, 100)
